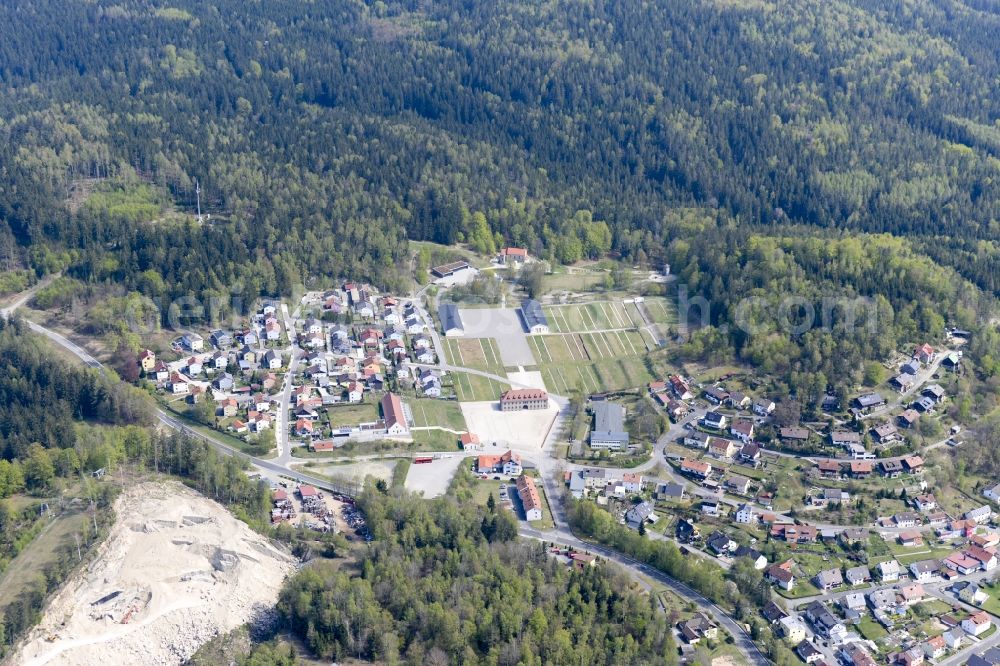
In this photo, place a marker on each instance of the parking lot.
(433, 478)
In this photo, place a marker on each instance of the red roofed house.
(508, 463)
(308, 491)
(279, 495)
(861, 469)
(303, 427)
(977, 623)
(985, 556)
(530, 500)
(696, 467)
(513, 255)
(470, 441)
(924, 353)
(392, 414)
(828, 468)
(325, 445)
(147, 360)
(518, 399)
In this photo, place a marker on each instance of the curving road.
(174, 423)
(742, 639)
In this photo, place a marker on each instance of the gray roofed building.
(670, 490)
(534, 318)
(451, 321)
(640, 513)
(869, 400)
(609, 426)
(829, 578)
(858, 575)
(989, 658)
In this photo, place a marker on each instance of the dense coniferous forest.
(441, 585)
(325, 134)
(43, 397)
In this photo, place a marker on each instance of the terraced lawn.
(476, 353)
(474, 388)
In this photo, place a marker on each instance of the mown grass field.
(593, 362)
(476, 353)
(583, 317)
(440, 413)
(351, 415)
(474, 388)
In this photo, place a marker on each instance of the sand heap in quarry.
(176, 570)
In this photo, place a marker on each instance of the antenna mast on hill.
(197, 191)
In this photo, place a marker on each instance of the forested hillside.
(440, 585)
(325, 134)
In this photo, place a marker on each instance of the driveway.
(503, 324)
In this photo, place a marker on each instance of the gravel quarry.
(176, 570)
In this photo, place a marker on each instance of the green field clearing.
(575, 281)
(585, 317)
(596, 377)
(660, 310)
(474, 388)
(440, 413)
(476, 353)
(435, 440)
(30, 563)
(349, 415)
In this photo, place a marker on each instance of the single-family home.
(781, 574)
(854, 654)
(763, 407)
(954, 639)
(746, 515)
(721, 543)
(698, 627)
(825, 622)
(670, 491)
(858, 575)
(750, 454)
(808, 652)
(640, 513)
(793, 629)
(977, 624)
(715, 420)
(973, 594)
(723, 449)
(888, 571)
(907, 418)
(912, 593)
(716, 395)
(755, 556)
(890, 469)
(828, 579)
(742, 429)
(980, 515)
(147, 361)
(935, 647)
(885, 433)
(926, 502)
(924, 570)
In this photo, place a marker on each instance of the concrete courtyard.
(521, 431)
(503, 324)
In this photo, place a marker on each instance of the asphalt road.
(744, 642)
